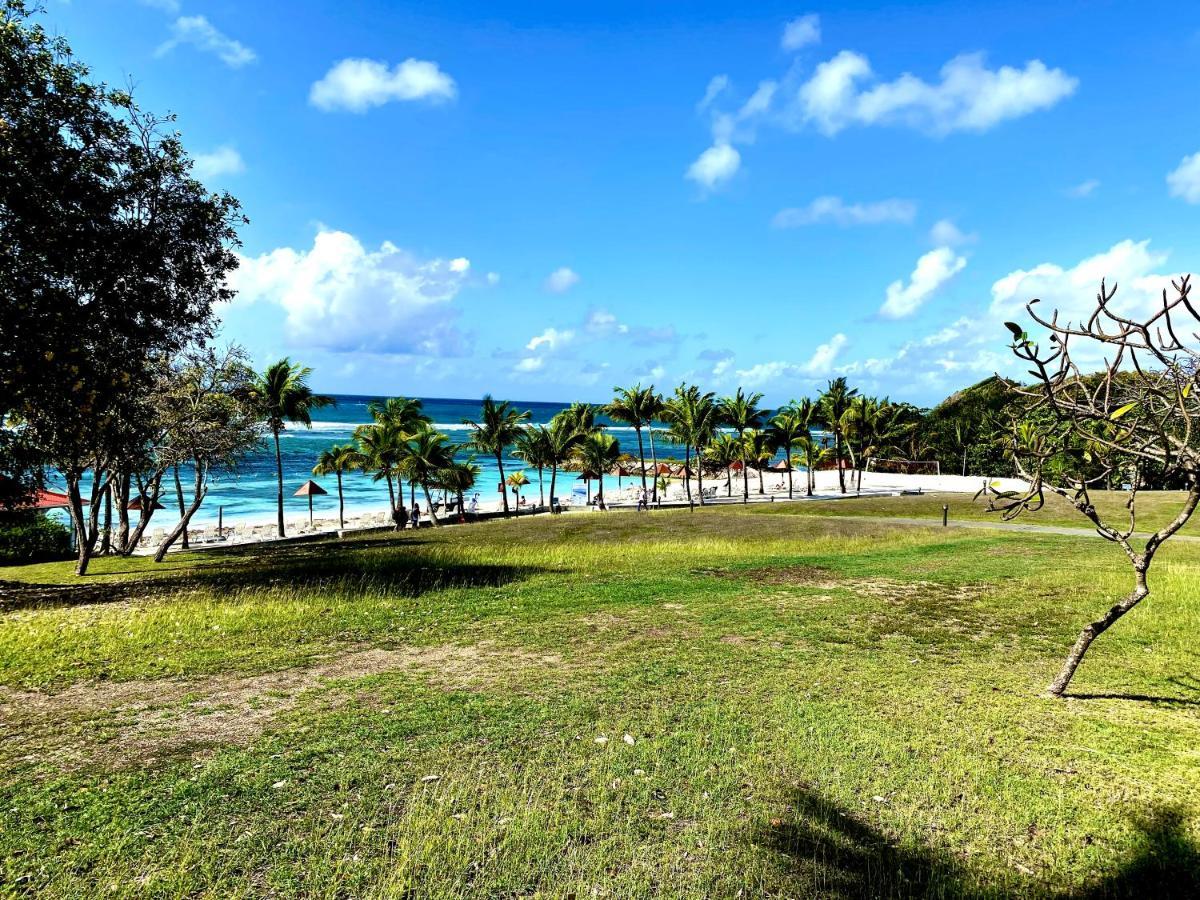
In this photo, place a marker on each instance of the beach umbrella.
(135, 505)
(663, 469)
(310, 489)
(782, 466)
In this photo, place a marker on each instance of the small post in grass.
(945, 515)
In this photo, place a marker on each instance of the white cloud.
(968, 97)
(716, 86)
(493, 278)
(836, 211)
(1083, 189)
(1131, 265)
(460, 264)
(529, 364)
(551, 339)
(823, 357)
(602, 323)
(933, 270)
(1184, 182)
(801, 32)
(721, 366)
(340, 296)
(819, 364)
(203, 35)
(225, 160)
(945, 233)
(561, 280)
(358, 84)
(715, 165)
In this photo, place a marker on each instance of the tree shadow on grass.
(838, 855)
(1137, 698)
(399, 568)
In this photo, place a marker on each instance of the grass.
(762, 700)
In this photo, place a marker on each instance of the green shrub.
(37, 539)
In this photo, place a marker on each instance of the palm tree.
(692, 418)
(406, 417)
(582, 417)
(832, 407)
(379, 449)
(757, 448)
(724, 451)
(561, 439)
(516, 481)
(458, 477)
(336, 460)
(637, 406)
(422, 458)
(742, 413)
(786, 430)
(283, 395)
(498, 427)
(597, 453)
(813, 453)
(534, 447)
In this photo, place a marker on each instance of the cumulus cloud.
(225, 160)
(932, 271)
(203, 35)
(945, 233)
(551, 339)
(341, 296)
(821, 363)
(529, 364)
(601, 322)
(356, 85)
(1072, 290)
(1184, 181)
(968, 97)
(800, 32)
(715, 166)
(561, 280)
(834, 210)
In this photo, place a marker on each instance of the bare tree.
(1132, 415)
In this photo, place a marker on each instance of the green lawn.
(759, 700)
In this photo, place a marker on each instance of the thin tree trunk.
(503, 487)
(745, 472)
(120, 484)
(106, 531)
(147, 498)
(654, 463)
(729, 481)
(553, 479)
(397, 520)
(789, 470)
(641, 456)
(541, 489)
(341, 503)
(181, 526)
(279, 478)
(687, 471)
(1094, 629)
(700, 473)
(75, 510)
(183, 540)
(837, 459)
(760, 478)
(429, 505)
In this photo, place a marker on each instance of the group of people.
(412, 518)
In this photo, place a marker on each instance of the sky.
(542, 201)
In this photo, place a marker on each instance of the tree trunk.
(687, 471)
(1094, 629)
(148, 499)
(106, 531)
(553, 479)
(120, 484)
(789, 470)
(700, 473)
(641, 457)
(837, 459)
(654, 464)
(279, 478)
(503, 488)
(75, 510)
(183, 540)
(745, 476)
(181, 526)
(760, 477)
(541, 489)
(729, 481)
(429, 506)
(341, 504)
(397, 519)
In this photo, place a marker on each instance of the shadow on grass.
(392, 567)
(1137, 698)
(838, 855)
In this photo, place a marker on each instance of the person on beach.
(416, 515)
(475, 507)
(400, 516)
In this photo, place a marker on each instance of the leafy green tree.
(515, 482)
(498, 427)
(833, 407)
(379, 451)
(723, 451)
(741, 412)
(535, 447)
(458, 478)
(283, 395)
(757, 447)
(561, 440)
(692, 419)
(423, 457)
(786, 430)
(597, 453)
(637, 406)
(111, 259)
(337, 460)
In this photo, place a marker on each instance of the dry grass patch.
(115, 725)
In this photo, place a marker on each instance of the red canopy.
(48, 500)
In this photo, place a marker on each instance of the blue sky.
(545, 200)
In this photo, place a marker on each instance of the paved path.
(1000, 526)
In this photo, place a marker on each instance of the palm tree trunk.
(429, 506)
(341, 502)
(183, 540)
(279, 477)
(393, 509)
(654, 464)
(745, 473)
(541, 489)
(729, 481)
(837, 459)
(700, 474)
(553, 479)
(503, 488)
(641, 455)
(789, 470)
(687, 471)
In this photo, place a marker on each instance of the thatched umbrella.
(310, 489)
(782, 466)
